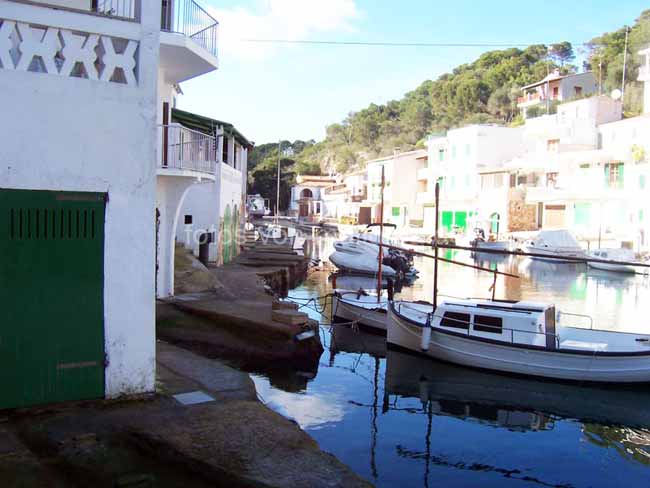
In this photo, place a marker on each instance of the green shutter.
(581, 214)
(461, 220)
(447, 220)
(620, 180)
(396, 211)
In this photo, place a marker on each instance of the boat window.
(455, 320)
(484, 323)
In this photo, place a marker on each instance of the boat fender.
(426, 335)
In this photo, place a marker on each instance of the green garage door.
(51, 294)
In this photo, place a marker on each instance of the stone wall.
(521, 216)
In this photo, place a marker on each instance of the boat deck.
(576, 339)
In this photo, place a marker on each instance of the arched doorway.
(306, 193)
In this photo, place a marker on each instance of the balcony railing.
(128, 9)
(190, 19)
(186, 149)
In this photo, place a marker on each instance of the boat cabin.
(515, 322)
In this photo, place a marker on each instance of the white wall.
(206, 203)
(400, 191)
(585, 80)
(73, 134)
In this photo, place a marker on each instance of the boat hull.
(516, 359)
(360, 264)
(617, 268)
(553, 255)
(348, 311)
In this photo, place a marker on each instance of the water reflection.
(400, 420)
(508, 401)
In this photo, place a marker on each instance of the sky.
(288, 91)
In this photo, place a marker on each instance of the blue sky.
(295, 91)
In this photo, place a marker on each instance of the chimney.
(644, 76)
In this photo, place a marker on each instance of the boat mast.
(435, 247)
(381, 234)
(277, 196)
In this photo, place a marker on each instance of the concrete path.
(231, 439)
(180, 371)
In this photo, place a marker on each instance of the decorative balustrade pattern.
(62, 52)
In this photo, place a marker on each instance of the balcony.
(188, 41)
(530, 99)
(187, 152)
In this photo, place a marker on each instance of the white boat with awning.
(518, 337)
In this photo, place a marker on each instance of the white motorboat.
(364, 264)
(360, 307)
(278, 234)
(356, 254)
(518, 337)
(357, 243)
(257, 206)
(491, 245)
(626, 255)
(556, 244)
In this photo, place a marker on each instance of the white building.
(555, 88)
(188, 157)
(400, 198)
(213, 213)
(307, 197)
(343, 199)
(89, 84)
(544, 191)
(455, 162)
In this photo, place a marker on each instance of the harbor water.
(401, 420)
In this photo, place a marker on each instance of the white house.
(343, 199)
(400, 203)
(555, 88)
(78, 172)
(213, 213)
(306, 197)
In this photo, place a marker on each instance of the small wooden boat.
(518, 337)
(360, 307)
